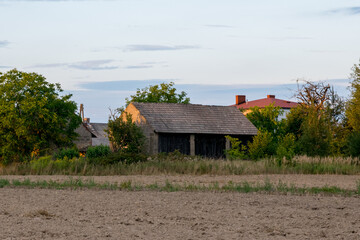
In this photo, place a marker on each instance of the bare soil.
(106, 214)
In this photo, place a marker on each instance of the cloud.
(124, 85)
(144, 47)
(138, 66)
(218, 26)
(293, 38)
(84, 65)
(4, 43)
(93, 65)
(324, 51)
(345, 11)
(51, 65)
(203, 89)
(5, 67)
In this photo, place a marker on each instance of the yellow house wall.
(151, 143)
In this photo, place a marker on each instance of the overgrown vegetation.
(175, 163)
(68, 153)
(124, 135)
(97, 151)
(241, 187)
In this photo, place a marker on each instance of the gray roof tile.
(195, 118)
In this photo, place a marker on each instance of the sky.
(101, 51)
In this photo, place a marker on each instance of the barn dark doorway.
(210, 145)
(171, 142)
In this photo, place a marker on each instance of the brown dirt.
(105, 214)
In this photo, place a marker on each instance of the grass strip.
(241, 187)
(198, 166)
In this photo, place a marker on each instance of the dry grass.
(189, 166)
(327, 160)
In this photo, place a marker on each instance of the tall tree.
(353, 108)
(315, 137)
(33, 115)
(165, 92)
(314, 96)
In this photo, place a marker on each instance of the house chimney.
(240, 99)
(82, 111)
(86, 120)
(270, 96)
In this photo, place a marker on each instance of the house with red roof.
(241, 103)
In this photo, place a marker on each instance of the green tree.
(353, 108)
(267, 119)
(353, 114)
(335, 108)
(262, 145)
(316, 138)
(315, 130)
(294, 120)
(33, 116)
(318, 122)
(163, 93)
(271, 131)
(353, 144)
(124, 135)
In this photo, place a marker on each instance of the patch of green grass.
(153, 186)
(126, 185)
(169, 187)
(241, 187)
(4, 182)
(268, 186)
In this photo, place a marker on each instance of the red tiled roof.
(261, 103)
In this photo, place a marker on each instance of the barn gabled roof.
(195, 118)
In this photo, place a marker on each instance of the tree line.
(323, 124)
(37, 119)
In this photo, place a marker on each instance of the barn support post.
(192, 145)
(227, 144)
(154, 143)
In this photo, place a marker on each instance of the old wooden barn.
(190, 128)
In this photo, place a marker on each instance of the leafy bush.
(98, 151)
(237, 150)
(70, 153)
(262, 145)
(353, 144)
(124, 135)
(117, 157)
(62, 164)
(40, 163)
(286, 149)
